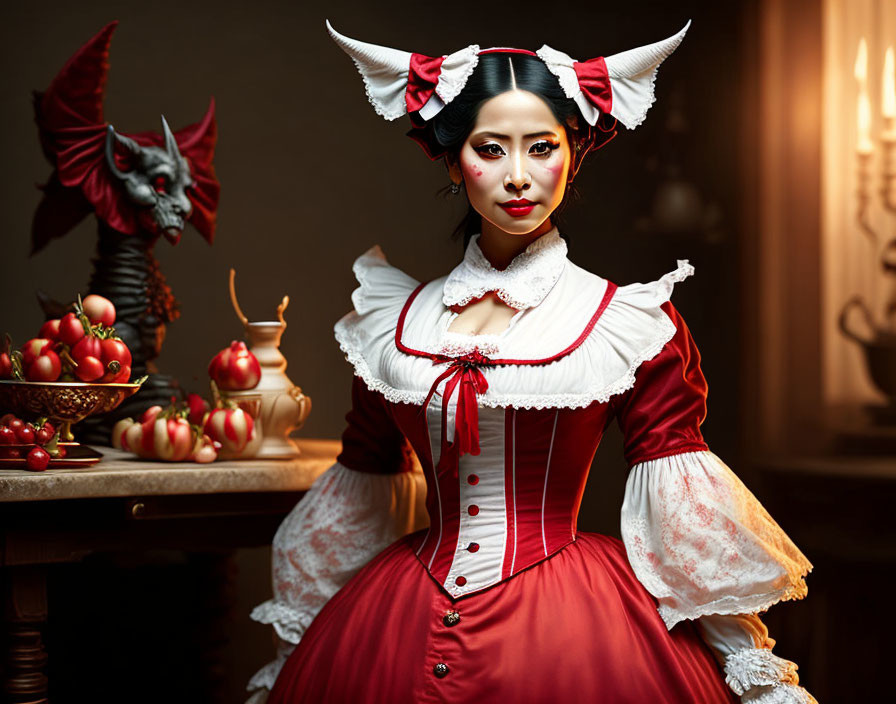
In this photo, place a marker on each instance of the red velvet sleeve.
(662, 413)
(372, 441)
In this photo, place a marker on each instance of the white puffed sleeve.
(696, 537)
(701, 543)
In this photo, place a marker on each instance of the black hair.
(493, 76)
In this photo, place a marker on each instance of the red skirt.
(577, 627)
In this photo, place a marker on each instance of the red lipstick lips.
(518, 208)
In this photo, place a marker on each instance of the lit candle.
(865, 145)
(889, 97)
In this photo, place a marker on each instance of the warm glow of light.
(861, 67)
(865, 146)
(889, 91)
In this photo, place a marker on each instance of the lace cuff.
(266, 676)
(344, 520)
(701, 543)
(782, 694)
(760, 677)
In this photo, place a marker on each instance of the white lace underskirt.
(343, 522)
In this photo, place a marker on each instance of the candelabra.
(880, 345)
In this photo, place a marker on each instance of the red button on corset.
(473, 547)
(473, 479)
(460, 581)
(473, 509)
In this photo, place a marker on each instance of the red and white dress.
(501, 598)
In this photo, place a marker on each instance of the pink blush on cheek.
(471, 171)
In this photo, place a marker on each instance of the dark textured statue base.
(126, 272)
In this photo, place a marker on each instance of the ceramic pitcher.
(284, 407)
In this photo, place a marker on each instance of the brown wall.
(311, 177)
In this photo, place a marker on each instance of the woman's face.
(515, 163)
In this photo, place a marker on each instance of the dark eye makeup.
(543, 148)
(492, 150)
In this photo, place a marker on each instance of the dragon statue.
(141, 187)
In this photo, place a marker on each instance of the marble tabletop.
(122, 474)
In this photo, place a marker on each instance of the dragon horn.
(111, 137)
(170, 142)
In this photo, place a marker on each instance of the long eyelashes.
(543, 148)
(492, 150)
(489, 150)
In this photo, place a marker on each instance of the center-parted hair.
(497, 73)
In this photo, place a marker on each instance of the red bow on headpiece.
(423, 76)
(388, 73)
(594, 81)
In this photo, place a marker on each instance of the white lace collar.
(596, 337)
(522, 285)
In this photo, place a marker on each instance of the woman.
(502, 376)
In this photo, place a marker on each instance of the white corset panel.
(488, 528)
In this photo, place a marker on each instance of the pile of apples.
(191, 431)
(80, 346)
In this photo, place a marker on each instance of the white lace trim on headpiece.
(630, 75)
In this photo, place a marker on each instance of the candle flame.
(889, 92)
(861, 67)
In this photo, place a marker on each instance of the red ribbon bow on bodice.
(465, 377)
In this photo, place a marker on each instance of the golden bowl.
(62, 402)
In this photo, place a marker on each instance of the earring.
(454, 188)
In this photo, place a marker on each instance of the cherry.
(25, 435)
(99, 309)
(44, 435)
(38, 459)
(71, 330)
(49, 330)
(7, 436)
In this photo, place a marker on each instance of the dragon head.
(146, 182)
(155, 180)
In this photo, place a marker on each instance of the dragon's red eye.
(160, 183)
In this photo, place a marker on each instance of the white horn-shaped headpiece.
(620, 85)
(398, 82)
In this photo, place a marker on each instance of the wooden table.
(123, 503)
